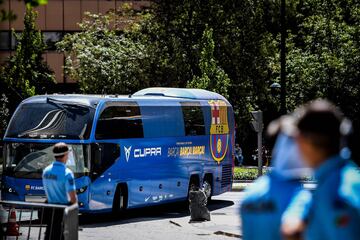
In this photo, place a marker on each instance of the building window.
(193, 118)
(9, 42)
(120, 122)
(51, 38)
(5, 40)
(14, 41)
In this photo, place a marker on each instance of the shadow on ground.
(173, 210)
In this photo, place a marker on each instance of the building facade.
(55, 19)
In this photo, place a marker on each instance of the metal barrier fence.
(23, 220)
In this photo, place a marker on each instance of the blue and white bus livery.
(126, 151)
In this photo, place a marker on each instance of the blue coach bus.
(126, 151)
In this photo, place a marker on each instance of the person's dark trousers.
(53, 217)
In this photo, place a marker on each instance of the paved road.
(167, 222)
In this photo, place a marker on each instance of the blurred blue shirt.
(269, 196)
(335, 208)
(264, 204)
(58, 181)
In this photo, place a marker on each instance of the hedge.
(246, 173)
(249, 174)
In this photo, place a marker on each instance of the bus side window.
(103, 156)
(193, 118)
(162, 121)
(119, 122)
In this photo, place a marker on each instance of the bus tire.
(120, 198)
(208, 178)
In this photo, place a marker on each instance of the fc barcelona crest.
(219, 130)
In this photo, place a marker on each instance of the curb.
(239, 186)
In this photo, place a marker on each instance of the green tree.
(25, 73)
(102, 59)
(323, 56)
(322, 60)
(35, 3)
(4, 114)
(243, 48)
(212, 76)
(6, 15)
(6, 89)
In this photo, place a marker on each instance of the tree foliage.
(16, 80)
(35, 3)
(242, 48)
(9, 15)
(323, 47)
(212, 76)
(102, 59)
(230, 47)
(4, 114)
(25, 73)
(6, 15)
(323, 56)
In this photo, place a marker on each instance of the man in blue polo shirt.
(59, 187)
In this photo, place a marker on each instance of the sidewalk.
(241, 185)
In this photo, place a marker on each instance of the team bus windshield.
(51, 120)
(28, 160)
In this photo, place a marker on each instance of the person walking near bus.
(269, 196)
(238, 155)
(59, 185)
(334, 209)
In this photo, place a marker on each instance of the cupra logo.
(127, 153)
(142, 152)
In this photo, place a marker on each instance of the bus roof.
(151, 94)
(189, 93)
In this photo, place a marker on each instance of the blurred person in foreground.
(266, 200)
(333, 211)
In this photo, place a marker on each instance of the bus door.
(103, 157)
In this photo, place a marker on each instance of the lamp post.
(283, 59)
(258, 126)
(275, 88)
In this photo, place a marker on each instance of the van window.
(193, 118)
(119, 122)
